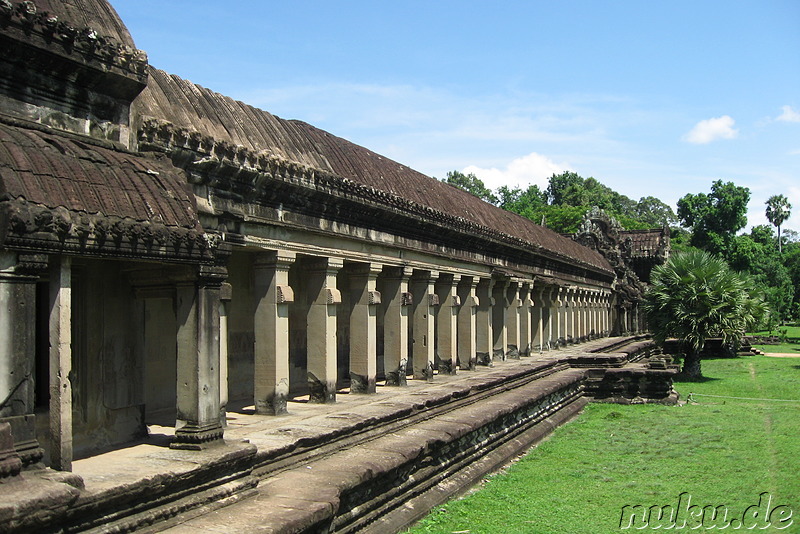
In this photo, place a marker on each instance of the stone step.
(383, 483)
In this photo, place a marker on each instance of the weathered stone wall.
(107, 353)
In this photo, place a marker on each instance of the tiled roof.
(184, 104)
(646, 243)
(63, 171)
(95, 14)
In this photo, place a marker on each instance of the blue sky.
(650, 97)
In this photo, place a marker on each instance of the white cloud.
(789, 115)
(521, 172)
(712, 129)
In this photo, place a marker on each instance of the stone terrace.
(366, 463)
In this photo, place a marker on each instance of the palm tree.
(778, 210)
(696, 296)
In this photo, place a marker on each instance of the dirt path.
(782, 354)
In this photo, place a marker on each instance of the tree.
(715, 218)
(472, 185)
(696, 296)
(655, 213)
(528, 203)
(778, 210)
(563, 187)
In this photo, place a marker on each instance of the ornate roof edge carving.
(34, 227)
(603, 233)
(86, 42)
(203, 156)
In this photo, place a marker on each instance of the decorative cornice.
(32, 227)
(86, 42)
(226, 166)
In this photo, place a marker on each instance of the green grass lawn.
(721, 451)
(792, 346)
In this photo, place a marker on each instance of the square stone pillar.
(467, 315)
(423, 330)
(396, 303)
(61, 363)
(364, 302)
(447, 322)
(572, 316)
(483, 322)
(538, 343)
(548, 311)
(323, 297)
(512, 320)
(198, 404)
(225, 295)
(18, 276)
(500, 306)
(273, 295)
(526, 324)
(560, 305)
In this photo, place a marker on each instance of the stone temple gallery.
(178, 268)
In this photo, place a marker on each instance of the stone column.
(500, 306)
(61, 363)
(525, 322)
(467, 319)
(447, 321)
(225, 295)
(398, 302)
(323, 296)
(18, 354)
(563, 315)
(198, 403)
(273, 295)
(364, 301)
(512, 320)
(423, 329)
(483, 322)
(570, 315)
(538, 342)
(551, 314)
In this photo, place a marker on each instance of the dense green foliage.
(694, 297)
(564, 203)
(715, 218)
(772, 263)
(709, 221)
(471, 184)
(718, 450)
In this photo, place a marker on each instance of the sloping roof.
(184, 104)
(97, 15)
(62, 171)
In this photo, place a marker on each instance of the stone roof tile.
(57, 171)
(184, 104)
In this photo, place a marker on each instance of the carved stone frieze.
(33, 227)
(86, 42)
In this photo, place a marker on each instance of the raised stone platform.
(369, 463)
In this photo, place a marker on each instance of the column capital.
(366, 269)
(320, 264)
(393, 272)
(275, 258)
